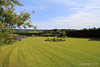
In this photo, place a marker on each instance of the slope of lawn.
(36, 52)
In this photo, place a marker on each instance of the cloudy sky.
(63, 14)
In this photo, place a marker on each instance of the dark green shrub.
(55, 39)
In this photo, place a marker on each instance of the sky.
(62, 14)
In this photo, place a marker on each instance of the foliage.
(16, 35)
(56, 32)
(10, 19)
(86, 32)
(63, 34)
(55, 39)
(19, 38)
(29, 33)
(46, 35)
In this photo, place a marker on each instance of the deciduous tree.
(9, 19)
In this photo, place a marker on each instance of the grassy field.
(35, 52)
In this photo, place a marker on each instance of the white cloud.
(84, 18)
(87, 16)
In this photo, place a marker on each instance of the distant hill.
(30, 30)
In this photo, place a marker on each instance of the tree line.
(86, 32)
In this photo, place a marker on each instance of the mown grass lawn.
(36, 52)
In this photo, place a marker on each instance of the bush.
(16, 35)
(6, 37)
(55, 39)
(19, 38)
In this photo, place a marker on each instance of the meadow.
(36, 52)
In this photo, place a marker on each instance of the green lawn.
(35, 52)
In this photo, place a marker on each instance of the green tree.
(9, 20)
(63, 33)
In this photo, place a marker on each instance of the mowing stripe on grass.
(36, 52)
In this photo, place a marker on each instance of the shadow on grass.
(90, 38)
(94, 39)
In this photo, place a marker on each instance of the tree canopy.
(10, 20)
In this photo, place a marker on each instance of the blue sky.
(62, 14)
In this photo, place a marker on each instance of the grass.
(36, 52)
